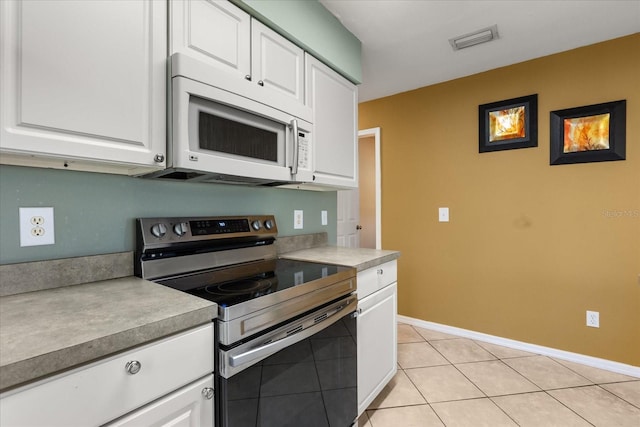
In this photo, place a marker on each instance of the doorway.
(359, 218)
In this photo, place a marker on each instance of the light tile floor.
(445, 380)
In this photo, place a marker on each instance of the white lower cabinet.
(191, 406)
(168, 376)
(377, 331)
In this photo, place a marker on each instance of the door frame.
(375, 133)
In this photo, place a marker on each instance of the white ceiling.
(405, 43)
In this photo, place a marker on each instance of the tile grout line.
(562, 403)
(416, 387)
(422, 339)
(467, 378)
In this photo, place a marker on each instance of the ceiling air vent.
(477, 37)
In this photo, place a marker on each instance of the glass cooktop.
(238, 284)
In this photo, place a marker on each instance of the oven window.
(311, 383)
(228, 136)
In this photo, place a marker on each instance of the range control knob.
(159, 229)
(268, 224)
(256, 225)
(180, 228)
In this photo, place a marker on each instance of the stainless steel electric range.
(286, 330)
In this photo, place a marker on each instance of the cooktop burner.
(241, 287)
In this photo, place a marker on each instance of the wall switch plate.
(593, 319)
(36, 226)
(297, 220)
(443, 214)
(324, 218)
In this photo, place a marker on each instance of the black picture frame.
(617, 119)
(489, 141)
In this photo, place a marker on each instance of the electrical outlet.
(37, 220)
(36, 226)
(298, 220)
(593, 319)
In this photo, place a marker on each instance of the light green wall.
(314, 28)
(94, 213)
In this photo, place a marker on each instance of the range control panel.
(167, 231)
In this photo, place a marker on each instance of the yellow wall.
(530, 247)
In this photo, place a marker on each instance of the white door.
(347, 218)
(348, 203)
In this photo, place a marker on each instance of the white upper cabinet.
(84, 84)
(221, 45)
(214, 32)
(334, 102)
(277, 64)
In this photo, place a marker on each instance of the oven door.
(300, 374)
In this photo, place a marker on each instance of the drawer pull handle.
(133, 367)
(207, 392)
(380, 272)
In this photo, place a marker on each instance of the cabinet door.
(377, 343)
(276, 63)
(191, 406)
(83, 84)
(214, 32)
(334, 102)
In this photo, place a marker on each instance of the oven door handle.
(294, 337)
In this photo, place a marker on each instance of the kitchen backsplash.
(95, 213)
(41, 275)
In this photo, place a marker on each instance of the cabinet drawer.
(104, 390)
(372, 279)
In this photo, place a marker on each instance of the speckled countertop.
(360, 258)
(48, 331)
(43, 332)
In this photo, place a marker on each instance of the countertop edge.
(40, 367)
(18, 371)
(358, 258)
(378, 261)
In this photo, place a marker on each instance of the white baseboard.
(595, 362)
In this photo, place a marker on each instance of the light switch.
(324, 218)
(443, 214)
(297, 220)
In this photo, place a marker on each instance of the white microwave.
(220, 136)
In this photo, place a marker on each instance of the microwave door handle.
(296, 146)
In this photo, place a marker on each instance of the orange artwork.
(506, 124)
(586, 133)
